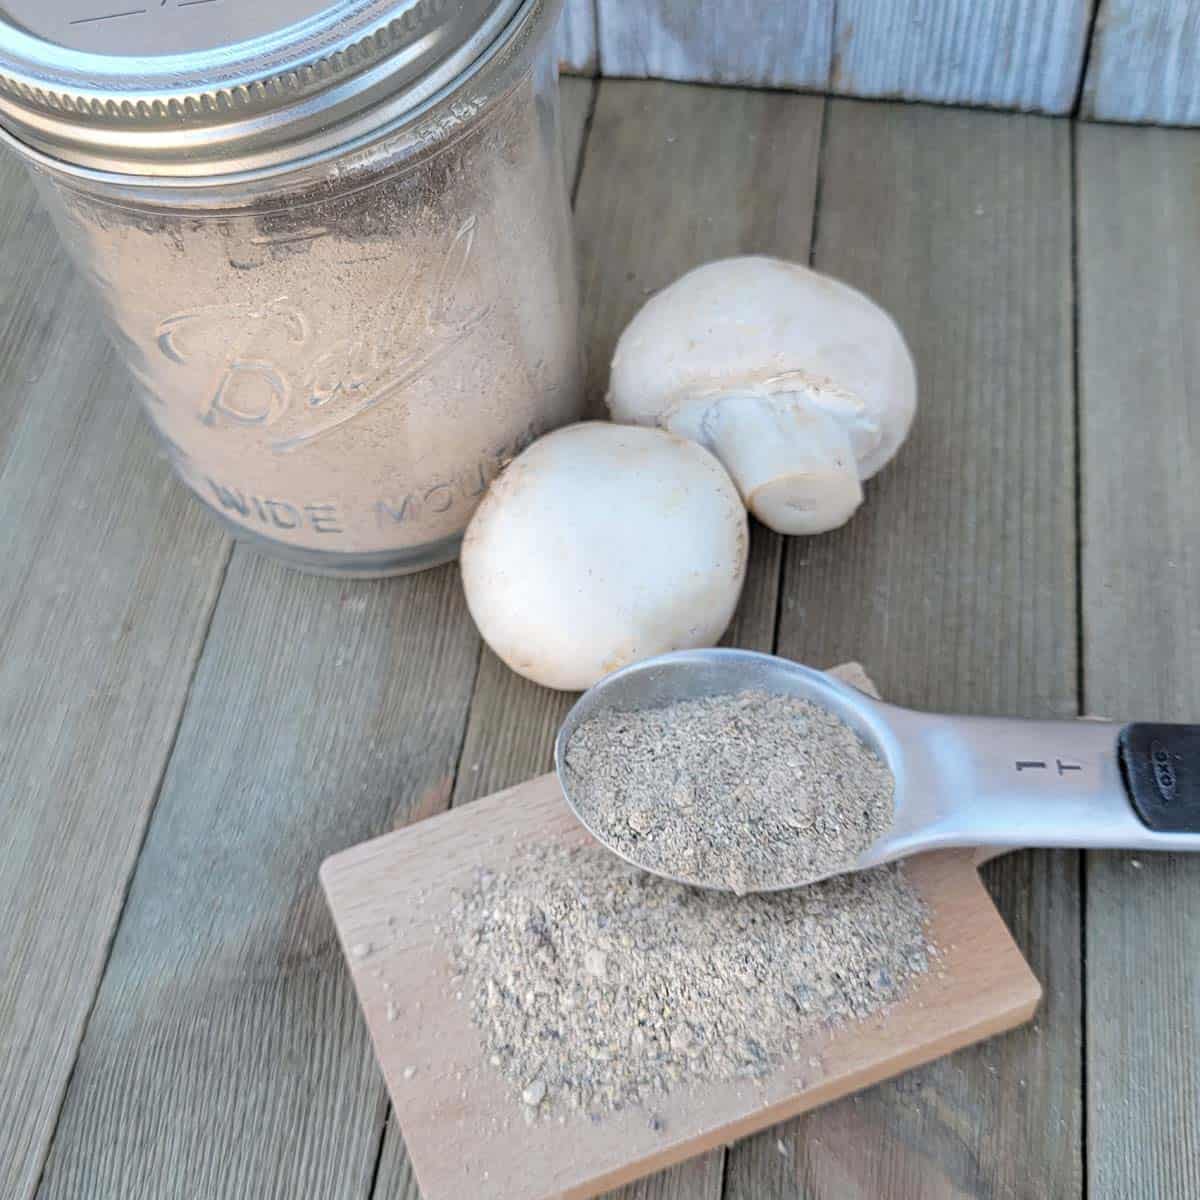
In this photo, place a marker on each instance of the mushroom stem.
(792, 461)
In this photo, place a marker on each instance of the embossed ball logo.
(268, 367)
(1164, 771)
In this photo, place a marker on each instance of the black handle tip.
(1161, 768)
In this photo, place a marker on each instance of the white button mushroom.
(601, 545)
(801, 386)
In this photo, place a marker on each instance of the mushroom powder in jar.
(331, 241)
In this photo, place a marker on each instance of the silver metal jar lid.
(181, 88)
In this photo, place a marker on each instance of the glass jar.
(332, 243)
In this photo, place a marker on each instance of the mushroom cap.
(601, 545)
(762, 325)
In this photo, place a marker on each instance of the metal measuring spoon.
(959, 781)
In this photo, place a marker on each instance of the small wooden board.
(463, 1125)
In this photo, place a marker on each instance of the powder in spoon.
(596, 986)
(745, 791)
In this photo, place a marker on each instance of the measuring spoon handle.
(1067, 783)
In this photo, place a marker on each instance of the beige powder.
(747, 791)
(344, 371)
(597, 987)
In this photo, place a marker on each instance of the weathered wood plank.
(575, 98)
(730, 190)
(751, 42)
(225, 1055)
(677, 140)
(693, 1180)
(1145, 62)
(955, 586)
(395, 1179)
(1139, 265)
(1025, 54)
(110, 575)
(35, 282)
(577, 37)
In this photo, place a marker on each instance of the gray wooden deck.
(187, 730)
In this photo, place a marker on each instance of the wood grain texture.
(1145, 62)
(1139, 265)
(391, 897)
(955, 585)
(757, 42)
(693, 1180)
(1025, 54)
(35, 282)
(109, 579)
(576, 97)
(577, 37)
(224, 1056)
(394, 1179)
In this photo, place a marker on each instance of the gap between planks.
(955, 586)
(1139, 262)
(110, 578)
(1018, 54)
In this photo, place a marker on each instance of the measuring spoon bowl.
(959, 781)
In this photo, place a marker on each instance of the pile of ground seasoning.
(745, 791)
(596, 986)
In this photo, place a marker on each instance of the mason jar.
(331, 240)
